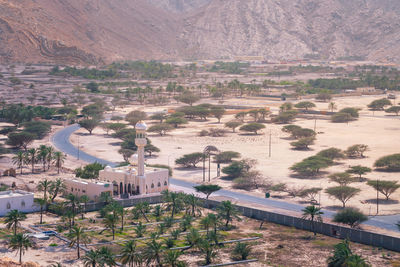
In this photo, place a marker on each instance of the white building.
(135, 179)
(16, 200)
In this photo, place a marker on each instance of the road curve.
(61, 141)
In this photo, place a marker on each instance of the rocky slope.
(95, 31)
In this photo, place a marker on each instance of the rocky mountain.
(96, 31)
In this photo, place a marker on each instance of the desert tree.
(393, 109)
(379, 104)
(226, 157)
(313, 214)
(19, 160)
(233, 125)
(332, 153)
(89, 124)
(135, 116)
(356, 151)
(385, 187)
(217, 112)
(342, 178)
(342, 193)
(332, 106)
(351, 216)
(311, 166)
(252, 127)
(359, 170)
(388, 163)
(207, 189)
(311, 193)
(190, 160)
(160, 128)
(303, 143)
(305, 105)
(158, 117)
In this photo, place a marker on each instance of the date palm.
(228, 212)
(42, 203)
(13, 220)
(107, 256)
(153, 251)
(313, 214)
(50, 156)
(56, 188)
(140, 230)
(42, 155)
(21, 243)
(142, 208)
(84, 199)
(192, 205)
(157, 212)
(73, 202)
(172, 258)
(59, 158)
(19, 159)
(110, 221)
(44, 186)
(208, 249)
(129, 253)
(92, 258)
(32, 157)
(77, 237)
(241, 251)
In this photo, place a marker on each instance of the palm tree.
(192, 205)
(208, 249)
(56, 187)
(171, 258)
(73, 202)
(59, 158)
(186, 222)
(206, 223)
(153, 252)
(44, 186)
(332, 106)
(110, 222)
(142, 208)
(313, 214)
(227, 211)
(42, 155)
(92, 258)
(19, 160)
(193, 238)
(174, 201)
(78, 236)
(13, 219)
(157, 212)
(84, 199)
(140, 229)
(107, 256)
(21, 243)
(42, 202)
(214, 221)
(242, 250)
(32, 158)
(129, 253)
(50, 156)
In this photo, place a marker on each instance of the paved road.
(61, 141)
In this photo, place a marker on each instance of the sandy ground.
(378, 130)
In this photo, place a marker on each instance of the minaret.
(141, 142)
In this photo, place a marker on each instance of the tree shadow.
(382, 201)
(301, 149)
(115, 143)
(310, 177)
(333, 207)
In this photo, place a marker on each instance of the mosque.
(133, 180)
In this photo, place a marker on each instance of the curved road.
(61, 140)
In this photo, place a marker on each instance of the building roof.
(16, 193)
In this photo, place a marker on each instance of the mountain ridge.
(101, 31)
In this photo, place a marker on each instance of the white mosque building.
(133, 180)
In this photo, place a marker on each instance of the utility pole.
(204, 167)
(377, 196)
(78, 147)
(315, 124)
(270, 135)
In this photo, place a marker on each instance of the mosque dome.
(108, 168)
(141, 125)
(133, 159)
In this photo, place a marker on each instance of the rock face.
(96, 31)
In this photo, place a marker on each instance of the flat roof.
(17, 193)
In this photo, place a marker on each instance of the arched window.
(165, 183)
(22, 203)
(152, 185)
(8, 205)
(159, 184)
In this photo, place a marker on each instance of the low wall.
(328, 229)
(355, 235)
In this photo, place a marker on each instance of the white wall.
(15, 201)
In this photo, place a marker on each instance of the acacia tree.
(385, 187)
(389, 163)
(351, 216)
(89, 124)
(305, 104)
(342, 178)
(217, 112)
(233, 125)
(252, 127)
(135, 116)
(311, 165)
(160, 128)
(379, 104)
(393, 109)
(207, 189)
(190, 160)
(342, 193)
(356, 151)
(359, 170)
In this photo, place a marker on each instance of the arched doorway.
(129, 189)
(121, 188)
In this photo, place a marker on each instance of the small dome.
(133, 159)
(108, 168)
(141, 125)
